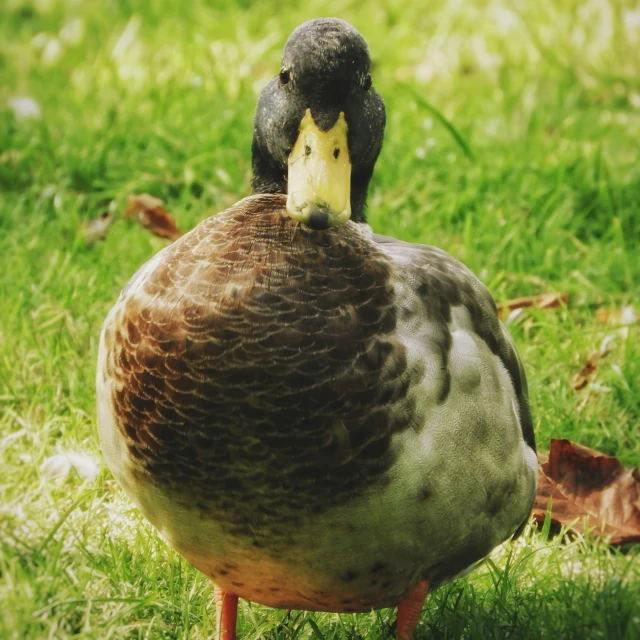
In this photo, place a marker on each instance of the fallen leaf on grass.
(542, 301)
(589, 369)
(153, 216)
(97, 228)
(589, 490)
(581, 379)
(620, 317)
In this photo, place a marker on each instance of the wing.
(444, 283)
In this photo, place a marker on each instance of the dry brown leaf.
(542, 301)
(97, 228)
(589, 369)
(589, 490)
(153, 216)
(619, 317)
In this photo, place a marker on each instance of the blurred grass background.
(132, 96)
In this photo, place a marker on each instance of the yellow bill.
(319, 178)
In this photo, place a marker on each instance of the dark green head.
(325, 72)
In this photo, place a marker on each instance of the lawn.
(512, 142)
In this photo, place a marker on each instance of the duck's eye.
(285, 76)
(367, 82)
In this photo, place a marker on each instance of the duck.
(316, 416)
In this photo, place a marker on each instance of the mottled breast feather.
(443, 282)
(252, 365)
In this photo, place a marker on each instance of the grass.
(512, 143)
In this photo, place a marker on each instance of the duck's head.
(319, 125)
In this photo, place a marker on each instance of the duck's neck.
(269, 178)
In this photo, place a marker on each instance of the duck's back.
(305, 391)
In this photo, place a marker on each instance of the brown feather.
(259, 375)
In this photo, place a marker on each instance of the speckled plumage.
(280, 385)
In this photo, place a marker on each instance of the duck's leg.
(409, 610)
(226, 614)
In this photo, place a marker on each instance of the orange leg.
(226, 614)
(410, 608)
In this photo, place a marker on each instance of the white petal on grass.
(127, 38)
(73, 32)
(24, 107)
(514, 316)
(631, 20)
(85, 464)
(58, 466)
(52, 52)
(223, 176)
(505, 20)
(606, 341)
(628, 316)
